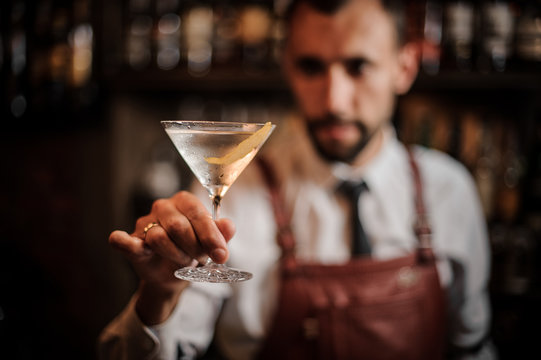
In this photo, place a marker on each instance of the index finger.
(209, 235)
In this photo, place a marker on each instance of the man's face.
(345, 71)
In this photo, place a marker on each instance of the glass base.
(213, 273)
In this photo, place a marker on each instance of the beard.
(337, 151)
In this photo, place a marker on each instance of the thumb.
(131, 246)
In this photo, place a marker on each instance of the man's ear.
(408, 67)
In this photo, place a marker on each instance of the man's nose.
(339, 91)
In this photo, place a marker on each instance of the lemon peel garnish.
(242, 149)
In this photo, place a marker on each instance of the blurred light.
(168, 41)
(59, 60)
(255, 24)
(199, 59)
(81, 39)
(198, 28)
(199, 25)
(138, 54)
(82, 36)
(168, 58)
(161, 179)
(141, 25)
(138, 44)
(82, 60)
(18, 50)
(18, 106)
(169, 24)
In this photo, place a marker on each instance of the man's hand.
(185, 233)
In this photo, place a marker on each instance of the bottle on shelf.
(496, 27)
(81, 42)
(528, 37)
(225, 38)
(486, 167)
(138, 34)
(198, 27)
(458, 35)
(17, 89)
(510, 178)
(167, 34)
(49, 62)
(432, 27)
(255, 25)
(278, 33)
(470, 142)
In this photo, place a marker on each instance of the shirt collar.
(372, 172)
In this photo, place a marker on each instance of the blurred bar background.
(84, 84)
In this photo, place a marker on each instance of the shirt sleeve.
(190, 328)
(461, 238)
(471, 268)
(186, 334)
(127, 338)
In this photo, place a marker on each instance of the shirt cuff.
(128, 338)
(167, 335)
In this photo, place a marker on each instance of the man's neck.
(371, 149)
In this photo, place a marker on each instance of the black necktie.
(359, 241)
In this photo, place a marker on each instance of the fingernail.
(202, 260)
(218, 255)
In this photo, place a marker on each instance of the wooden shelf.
(217, 80)
(235, 79)
(474, 81)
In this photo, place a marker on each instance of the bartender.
(346, 62)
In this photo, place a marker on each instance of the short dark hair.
(394, 7)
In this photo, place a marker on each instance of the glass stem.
(215, 209)
(216, 206)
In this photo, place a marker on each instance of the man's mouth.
(338, 131)
(337, 139)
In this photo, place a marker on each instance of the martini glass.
(216, 152)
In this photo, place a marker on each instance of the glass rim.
(204, 125)
(213, 122)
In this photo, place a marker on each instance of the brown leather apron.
(363, 309)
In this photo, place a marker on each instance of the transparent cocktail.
(217, 153)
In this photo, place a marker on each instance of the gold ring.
(149, 226)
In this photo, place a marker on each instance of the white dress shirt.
(239, 314)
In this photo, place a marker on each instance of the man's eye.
(310, 67)
(355, 67)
